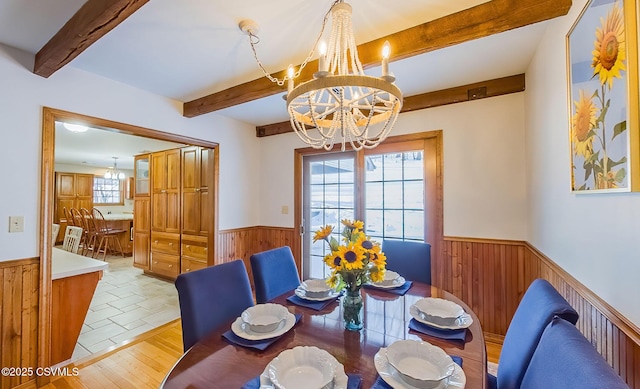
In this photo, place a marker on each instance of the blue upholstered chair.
(412, 260)
(540, 303)
(274, 272)
(212, 297)
(565, 359)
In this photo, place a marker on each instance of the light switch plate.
(285, 209)
(16, 223)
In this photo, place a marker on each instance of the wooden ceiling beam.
(477, 22)
(92, 21)
(459, 94)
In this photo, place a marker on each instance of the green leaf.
(620, 175)
(588, 169)
(333, 244)
(613, 164)
(592, 158)
(619, 129)
(583, 187)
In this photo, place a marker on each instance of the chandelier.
(114, 173)
(340, 104)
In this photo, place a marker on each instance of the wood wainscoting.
(19, 293)
(491, 276)
(241, 243)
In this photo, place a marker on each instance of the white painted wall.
(484, 181)
(22, 96)
(592, 236)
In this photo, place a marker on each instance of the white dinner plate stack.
(440, 313)
(391, 280)
(263, 321)
(304, 367)
(316, 290)
(410, 364)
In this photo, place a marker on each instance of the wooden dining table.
(213, 362)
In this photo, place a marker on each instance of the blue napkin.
(400, 290)
(355, 382)
(460, 334)
(380, 384)
(257, 344)
(315, 305)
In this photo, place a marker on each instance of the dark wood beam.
(458, 94)
(477, 22)
(92, 21)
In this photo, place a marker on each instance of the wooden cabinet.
(141, 213)
(72, 190)
(165, 191)
(173, 217)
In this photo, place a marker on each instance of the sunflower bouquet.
(354, 262)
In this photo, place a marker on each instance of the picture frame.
(602, 69)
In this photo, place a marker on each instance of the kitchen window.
(108, 191)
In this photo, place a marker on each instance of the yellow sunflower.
(351, 256)
(333, 280)
(584, 120)
(355, 224)
(334, 261)
(609, 51)
(377, 274)
(364, 241)
(377, 257)
(323, 233)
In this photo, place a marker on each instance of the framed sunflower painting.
(602, 57)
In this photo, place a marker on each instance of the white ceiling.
(188, 49)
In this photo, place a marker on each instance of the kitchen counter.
(67, 264)
(118, 216)
(74, 279)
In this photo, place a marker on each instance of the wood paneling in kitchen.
(19, 290)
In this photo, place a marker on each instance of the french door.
(395, 189)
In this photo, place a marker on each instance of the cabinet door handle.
(196, 190)
(156, 242)
(170, 243)
(170, 266)
(188, 269)
(188, 246)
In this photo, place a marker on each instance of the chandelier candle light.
(340, 104)
(114, 173)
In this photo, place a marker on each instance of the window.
(395, 189)
(107, 191)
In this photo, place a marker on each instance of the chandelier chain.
(254, 40)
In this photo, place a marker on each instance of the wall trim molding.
(19, 262)
(485, 240)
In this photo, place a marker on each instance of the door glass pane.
(394, 201)
(328, 198)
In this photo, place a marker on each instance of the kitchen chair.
(565, 359)
(55, 230)
(80, 221)
(211, 298)
(68, 217)
(90, 232)
(540, 303)
(274, 272)
(72, 237)
(105, 235)
(412, 260)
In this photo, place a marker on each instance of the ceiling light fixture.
(342, 103)
(75, 127)
(114, 173)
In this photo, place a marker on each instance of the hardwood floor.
(145, 361)
(142, 363)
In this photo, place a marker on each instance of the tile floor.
(126, 303)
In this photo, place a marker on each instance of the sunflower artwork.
(355, 262)
(598, 97)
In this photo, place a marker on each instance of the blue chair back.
(540, 303)
(412, 260)
(212, 297)
(274, 272)
(565, 359)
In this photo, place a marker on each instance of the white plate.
(302, 294)
(241, 329)
(398, 282)
(439, 311)
(464, 321)
(340, 381)
(457, 380)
